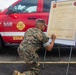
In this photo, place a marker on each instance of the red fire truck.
(20, 16)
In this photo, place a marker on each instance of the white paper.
(64, 42)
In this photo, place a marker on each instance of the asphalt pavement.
(49, 69)
(54, 64)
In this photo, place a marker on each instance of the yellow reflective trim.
(17, 37)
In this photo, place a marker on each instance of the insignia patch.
(20, 25)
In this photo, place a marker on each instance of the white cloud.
(6, 3)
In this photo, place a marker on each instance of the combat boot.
(18, 73)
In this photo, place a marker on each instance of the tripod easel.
(45, 55)
(67, 71)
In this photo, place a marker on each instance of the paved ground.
(10, 54)
(49, 69)
(9, 61)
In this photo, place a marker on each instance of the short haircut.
(40, 21)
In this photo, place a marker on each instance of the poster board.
(62, 21)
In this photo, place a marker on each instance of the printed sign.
(62, 20)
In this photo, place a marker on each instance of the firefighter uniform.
(33, 40)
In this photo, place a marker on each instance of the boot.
(18, 73)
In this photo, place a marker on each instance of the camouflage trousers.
(31, 60)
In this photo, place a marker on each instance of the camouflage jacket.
(33, 40)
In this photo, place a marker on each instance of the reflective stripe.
(12, 33)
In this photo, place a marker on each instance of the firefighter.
(34, 39)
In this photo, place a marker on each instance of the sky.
(6, 3)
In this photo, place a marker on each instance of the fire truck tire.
(1, 43)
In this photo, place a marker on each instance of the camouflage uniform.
(33, 40)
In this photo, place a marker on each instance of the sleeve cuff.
(46, 44)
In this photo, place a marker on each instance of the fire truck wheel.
(1, 43)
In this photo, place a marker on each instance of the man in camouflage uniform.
(34, 39)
